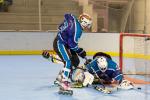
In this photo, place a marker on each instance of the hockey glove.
(45, 54)
(126, 85)
(81, 52)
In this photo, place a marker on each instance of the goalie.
(106, 71)
(99, 70)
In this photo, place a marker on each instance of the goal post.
(136, 48)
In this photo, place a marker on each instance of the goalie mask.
(85, 21)
(102, 63)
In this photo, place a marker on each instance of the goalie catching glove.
(126, 85)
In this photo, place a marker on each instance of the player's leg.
(64, 54)
(74, 59)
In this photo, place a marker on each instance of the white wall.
(108, 42)
(44, 40)
(26, 40)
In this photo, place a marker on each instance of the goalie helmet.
(102, 63)
(85, 21)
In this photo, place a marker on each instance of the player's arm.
(122, 83)
(73, 45)
(117, 75)
(67, 23)
(73, 35)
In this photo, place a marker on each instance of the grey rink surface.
(30, 77)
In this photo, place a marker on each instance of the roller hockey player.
(107, 71)
(66, 46)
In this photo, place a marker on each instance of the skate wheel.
(71, 92)
(56, 82)
(59, 92)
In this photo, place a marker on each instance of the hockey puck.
(139, 88)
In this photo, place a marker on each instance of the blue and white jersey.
(70, 32)
(112, 72)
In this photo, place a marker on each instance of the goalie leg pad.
(78, 75)
(84, 77)
(89, 78)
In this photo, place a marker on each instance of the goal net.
(135, 53)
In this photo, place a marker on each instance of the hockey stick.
(54, 59)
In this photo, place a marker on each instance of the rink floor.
(30, 77)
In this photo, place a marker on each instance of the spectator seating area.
(4, 4)
(26, 15)
(43, 15)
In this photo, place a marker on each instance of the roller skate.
(58, 79)
(64, 83)
(65, 88)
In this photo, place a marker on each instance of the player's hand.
(81, 52)
(45, 54)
